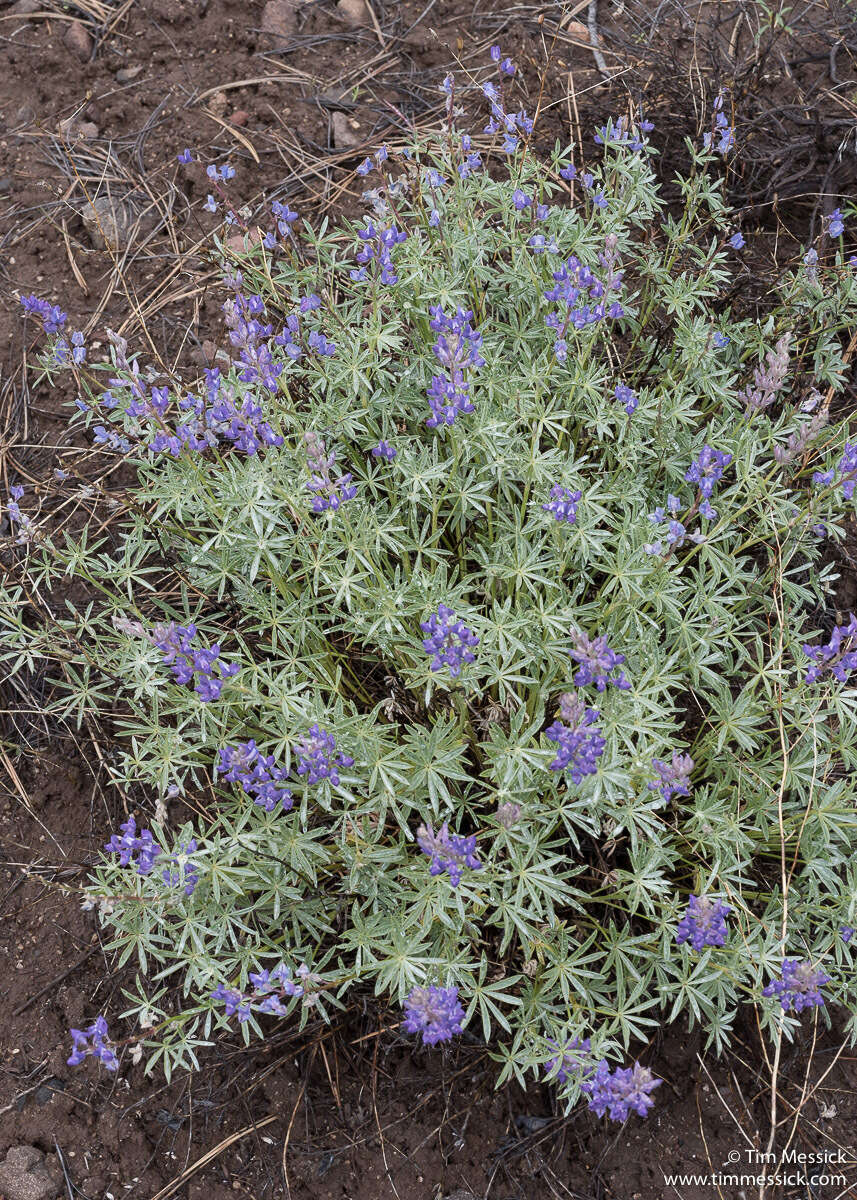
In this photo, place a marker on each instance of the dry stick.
(173, 1187)
(592, 25)
(284, 1160)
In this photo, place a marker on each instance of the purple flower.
(846, 932)
(186, 157)
(799, 987)
(569, 172)
(563, 504)
(721, 130)
(202, 667)
(846, 469)
(449, 641)
(838, 656)
(269, 990)
(318, 758)
(259, 775)
(51, 315)
(92, 1041)
(581, 297)
(720, 339)
(619, 134)
(384, 450)
(457, 349)
(705, 472)
(377, 249)
(365, 167)
(329, 493)
(220, 174)
(578, 746)
(508, 814)
(703, 923)
(179, 872)
(450, 852)
(768, 380)
(737, 241)
(627, 398)
(521, 200)
(434, 1012)
(835, 224)
(620, 1092)
(598, 663)
(673, 777)
(141, 850)
(574, 1059)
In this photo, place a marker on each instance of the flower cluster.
(180, 871)
(202, 667)
(616, 1093)
(269, 990)
(837, 657)
(627, 398)
(598, 663)
(377, 249)
(259, 775)
(768, 381)
(704, 923)
(799, 986)
(140, 849)
(457, 349)
(673, 777)
(563, 503)
(582, 299)
(26, 531)
(434, 1012)
(721, 132)
(448, 641)
(675, 533)
(384, 450)
(579, 746)
(845, 472)
(318, 758)
(705, 472)
(835, 224)
(92, 1041)
(329, 492)
(618, 133)
(511, 124)
(450, 852)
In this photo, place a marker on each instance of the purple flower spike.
(457, 349)
(578, 746)
(330, 493)
(627, 398)
(140, 850)
(703, 923)
(598, 663)
(92, 1041)
(318, 758)
(575, 1058)
(563, 504)
(450, 852)
(259, 775)
(384, 450)
(708, 469)
(800, 985)
(434, 1012)
(203, 667)
(449, 641)
(835, 224)
(838, 656)
(270, 989)
(620, 1092)
(737, 240)
(673, 777)
(181, 873)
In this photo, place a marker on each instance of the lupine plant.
(386, 603)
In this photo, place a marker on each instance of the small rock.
(243, 243)
(278, 18)
(354, 12)
(23, 117)
(72, 129)
(577, 29)
(24, 1175)
(239, 117)
(5, 186)
(108, 222)
(217, 103)
(346, 131)
(78, 41)
(126, 74)
(24, 7)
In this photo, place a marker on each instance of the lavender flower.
(737, 240)
(508, 814)
(703, 923)
(705, 472)
(627, 398)
(582, 298)
(26, 530)
(457, 349)
(220, 174)
(838, 656)
(259, 775)
(768, 381)
(835, 224)
(251, 337)
(51, 315)
(578, 746)
(574, 1060)
(141, 850)
(317, 756)
(377, 248)
(673, 777)
(434, 1012)
(675, 534)
(202, 667)
(450, 852)
(598, 663)
(721, 130)
(720, 339)
(330, 493)
(618, 134)
(185, 157)
(799, 441)
(563, 504)
(800, 985)
(384, 450)
(845, 469)
(620, 1092)
(846, 932)
(449, 641)
(269, 990)
(92, 1041)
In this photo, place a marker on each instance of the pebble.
(239, 117)
(25, 1175)
(108, 222)
(346, 131)
(354, 12)
(278, 18)
(126, 74)
(77, 40)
